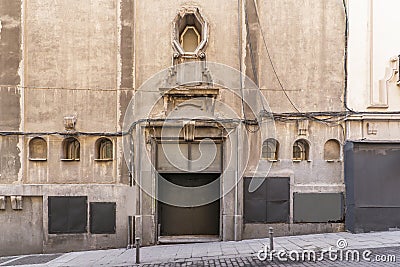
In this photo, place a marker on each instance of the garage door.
(197, 220)
(372, 186)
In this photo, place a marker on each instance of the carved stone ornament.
(69, 123)
(189, 18)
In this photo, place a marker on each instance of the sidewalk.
(203, 251)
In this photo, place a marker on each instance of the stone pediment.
(190, 101)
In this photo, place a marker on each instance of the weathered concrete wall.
(68, 51)
(10, 159)
(315, 171)
(10, 40)
(95, 110)
(306, 44)
(71, 44)
(10, 95)
(10, 111)
(122, 195)
(75, 55)
(156, 34)
(33, 219)
(85, 171)
(22, 230)
(75, 63)
(251, 231)
(315, 175)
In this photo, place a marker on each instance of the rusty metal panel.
(318, 207)
(102, 217)
(372, 185)
(67, 215)
(269, 203)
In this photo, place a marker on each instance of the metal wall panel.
(270, 203)
(191, 156)
(206, 156)
(278, 189)
(255, 210)
(102, 217)
(318, 207)
(278, 211)
(67, 215)
(172, 157)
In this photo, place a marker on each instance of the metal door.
(372, 186)
(199, 220)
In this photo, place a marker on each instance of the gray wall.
(22, 230)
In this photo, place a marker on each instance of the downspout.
(236, 222)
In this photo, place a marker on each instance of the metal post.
(271, 238)
(129, 233)
(137, 244)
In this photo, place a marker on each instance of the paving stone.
(241, 253)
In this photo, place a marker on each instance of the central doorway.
(198, 221)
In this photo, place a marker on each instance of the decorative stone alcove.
(189, 34)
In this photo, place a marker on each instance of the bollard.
(129, 233)
(137, 244)
(271, 238)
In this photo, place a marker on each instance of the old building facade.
(110, 109)
(373, 95)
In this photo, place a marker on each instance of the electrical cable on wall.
(329, 118)
(333, 119)
(270, 59)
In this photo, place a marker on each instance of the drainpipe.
(138, 170)
(236, 222)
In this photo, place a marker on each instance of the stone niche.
(189, 34)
